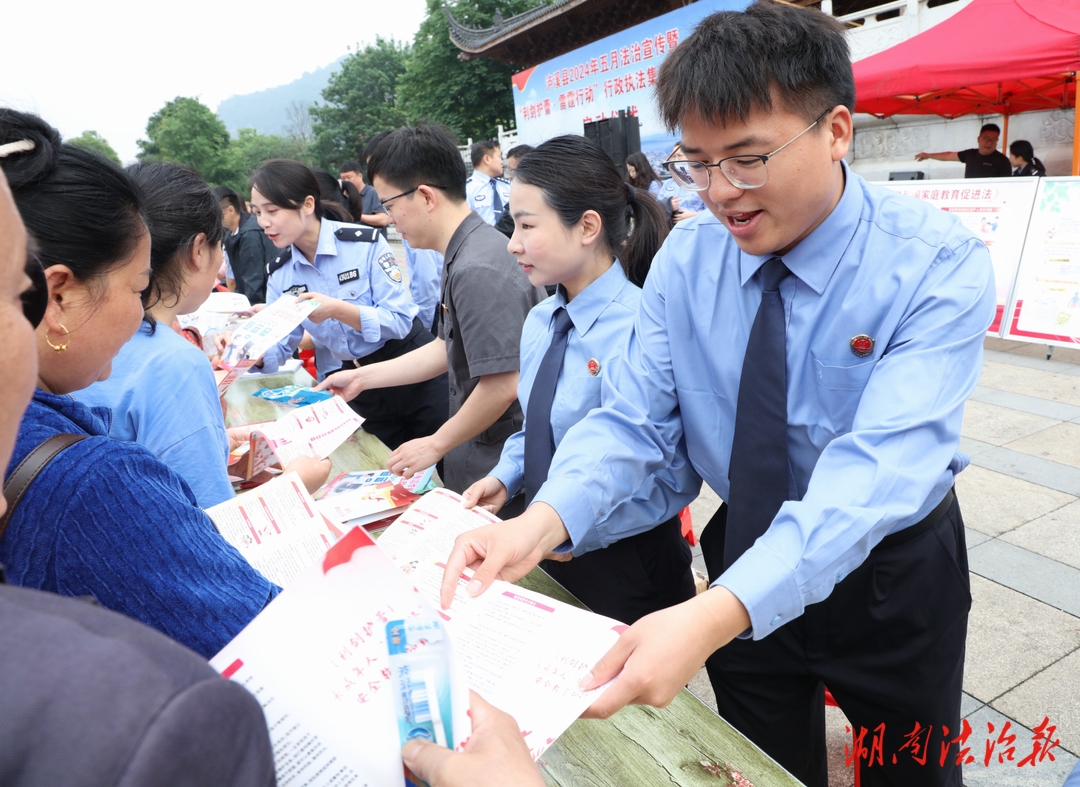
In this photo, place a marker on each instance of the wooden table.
(639, 745)
(362, 451)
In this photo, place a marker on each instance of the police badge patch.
(295, 290)
(389, 266)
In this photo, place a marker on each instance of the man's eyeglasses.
(744, 172)
(386, 202)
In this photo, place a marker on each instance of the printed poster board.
(617, 72)
(997, 210)
(1046, 302)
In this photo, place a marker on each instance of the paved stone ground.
(1021, 504)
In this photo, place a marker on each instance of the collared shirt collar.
(327, 241)
(470, 224)
(591, 302)
(816, 256)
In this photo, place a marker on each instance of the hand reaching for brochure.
(238, 435)
(348, 384)
(328, 308)
(495, 754)
(659, 654)
(313, 472)
(488, 493)
(508, 550)
(414, 456)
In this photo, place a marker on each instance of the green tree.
(472, 97)
(361, 100)
(94, 142)
(248, 150)
(187, 132)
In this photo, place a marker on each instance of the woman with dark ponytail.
(364, 314)
(578, 225)
(1022, 157)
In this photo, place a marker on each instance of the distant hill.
(264, 111)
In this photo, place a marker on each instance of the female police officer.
(364, 314)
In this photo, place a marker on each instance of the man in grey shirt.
(420, 178)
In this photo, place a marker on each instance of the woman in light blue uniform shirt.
(162, 390)
(572, 214)
(365, 314)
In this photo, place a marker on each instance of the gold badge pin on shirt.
(862, 345)
(594, 367)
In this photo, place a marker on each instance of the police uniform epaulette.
(503, 180)
(279, 261)
(357, 234)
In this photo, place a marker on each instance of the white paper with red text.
(255, 336)
(522, 651)
(315, 430)
(317, 660)
(276, 527)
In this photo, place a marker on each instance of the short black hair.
(420, 155)
(736, 62)
(372, 144)
(350, 166)
(518, 151)
(481, 149)
(226, 194)
(991, 127)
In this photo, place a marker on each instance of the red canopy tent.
(991, 57)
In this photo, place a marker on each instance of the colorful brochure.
(315, 430)
(370, 496)
(266, 329)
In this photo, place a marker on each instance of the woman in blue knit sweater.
(105, 518)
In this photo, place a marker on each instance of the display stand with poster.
(1046, 300)
(997, 210)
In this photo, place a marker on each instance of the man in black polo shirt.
(985, 161)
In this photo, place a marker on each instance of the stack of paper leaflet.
(355, 655)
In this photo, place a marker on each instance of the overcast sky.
(110, 64)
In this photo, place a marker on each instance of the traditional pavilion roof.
(553, 28)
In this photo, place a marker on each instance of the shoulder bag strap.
(28, 470)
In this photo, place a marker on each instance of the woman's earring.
(58, 347)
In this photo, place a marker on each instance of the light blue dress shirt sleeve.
(163, 395)
(872, 441)
(425, 277)
(603, 319)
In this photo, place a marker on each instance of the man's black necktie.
(496, 198)
(758, 472)
(539, 437)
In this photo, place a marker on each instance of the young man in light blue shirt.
(855, 316)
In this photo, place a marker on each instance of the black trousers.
(888, 643)
(633, 577)
(404, 412)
